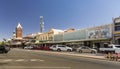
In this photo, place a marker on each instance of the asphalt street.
(25, 59)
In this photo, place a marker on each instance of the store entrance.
(97, 45)
(87, 43)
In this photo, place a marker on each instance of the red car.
(46, 48)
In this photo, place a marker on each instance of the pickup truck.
(4, 49)
(110, 48)
(112, 52)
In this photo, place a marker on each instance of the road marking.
(7, 60)
(33, 60)
(19, 67)
(41, 60)
(21, 60)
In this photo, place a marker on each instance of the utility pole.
(113, 30)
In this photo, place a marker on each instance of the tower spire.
(19, 25)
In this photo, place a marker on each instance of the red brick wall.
(18, 33)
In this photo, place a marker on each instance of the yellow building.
(48, 36)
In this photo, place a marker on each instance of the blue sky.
(59, 14)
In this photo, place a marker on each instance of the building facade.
(116, 30)
(17, 39)
(48, 36)
(95, 36)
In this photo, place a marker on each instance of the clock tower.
(19, 31)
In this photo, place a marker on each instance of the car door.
(63, 48)
(84, 49)
(54, 47)
(88, 50)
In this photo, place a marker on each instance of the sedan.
(85, 49)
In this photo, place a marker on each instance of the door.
(63, 48)
(88, 50)
(84, 49)
(54, 48)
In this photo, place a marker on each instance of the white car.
(60, 48)
(28, 47)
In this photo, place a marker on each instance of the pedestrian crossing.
(21, 60)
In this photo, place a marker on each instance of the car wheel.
(80, 51)
(6, 51)
(58, 50)
(69, 50)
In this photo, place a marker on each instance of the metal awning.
(79, 40)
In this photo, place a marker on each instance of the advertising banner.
(104, 31)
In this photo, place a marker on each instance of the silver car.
(61, 48)
(85, 49)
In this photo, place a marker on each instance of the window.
(87, 48)
(117, 46)
(117, 28)
(61, 46)
(117, 23)
(110, 46)
(83, 47)
(54, 46)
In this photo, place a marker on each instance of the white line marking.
(36, 60)
(7, 60)
(33, 60)
(41, 60)
(11, 67)
(19, 60)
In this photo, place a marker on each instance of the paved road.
(25, 59)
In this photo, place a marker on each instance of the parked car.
(110, 48)
(61, 48)
(37, 47)
(46, 48)
(4, 49)
(28, 47)
(41, 48)
(85, 49)
(74, 47)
